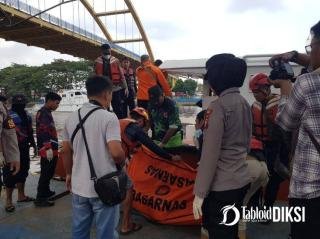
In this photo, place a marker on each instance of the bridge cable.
(39, 13)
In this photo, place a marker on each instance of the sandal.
(27, 199)
(134, 228)
(10, 208)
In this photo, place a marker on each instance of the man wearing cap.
(24, 131)
(149, 75)
(164, 118)
(223, 177)
(109, 66)
(9, 151)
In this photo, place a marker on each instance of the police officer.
(223, 177)
(9, 151)
(165, 122)
(47, 142)
(109, 66)
(24, 131)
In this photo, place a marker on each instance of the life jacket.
(264, 118)
(114, 69)
(128, 73)
(127, 144)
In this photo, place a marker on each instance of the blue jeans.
(85, 210)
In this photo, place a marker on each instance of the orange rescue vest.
(127, 144)
(264, 117)
(114, 69)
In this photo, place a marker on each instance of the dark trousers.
(47, 171)
(118, 102)
(272, 151)
(143, 103)
(130, 100)
(310, 229)
(213, 215)
(11, 180)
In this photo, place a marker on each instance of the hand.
(2, 160)
(49, 154)
(197, 207)
(176, 158)
(126, 92)
(286, 57)
(284, 85)
(14, 167)
(68, 182)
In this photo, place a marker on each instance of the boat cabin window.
(77, 93)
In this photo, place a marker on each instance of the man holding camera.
(299, 109)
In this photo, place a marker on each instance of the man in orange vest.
(131, 83)
(132, 135)
(108, 65)
(149, 75)
(264, 111)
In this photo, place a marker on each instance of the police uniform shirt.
(226, 143)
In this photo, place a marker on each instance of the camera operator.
(299, 109)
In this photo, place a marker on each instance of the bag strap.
(92, 172)
(83, 120)
(314, 140)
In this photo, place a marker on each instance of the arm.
(174, 124)
(116, 151)
(292, 105)
(113, 139)
(139, 135)
(67, 155)
(163, 82)
(213, 133)
(292, 56)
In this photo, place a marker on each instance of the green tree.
(190, 86)
(59, 74)
(179, 86)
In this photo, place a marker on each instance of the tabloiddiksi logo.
(225, 211)
(275, 214)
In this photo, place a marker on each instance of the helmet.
(258, 80)
(142, 112)
(256, 144)
(19, 99)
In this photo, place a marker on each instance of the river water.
(187, 117)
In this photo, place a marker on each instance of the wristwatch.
(294, 56)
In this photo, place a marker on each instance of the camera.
(281, 71)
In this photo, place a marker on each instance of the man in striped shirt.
(299, 108)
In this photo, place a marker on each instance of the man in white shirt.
(104, 142)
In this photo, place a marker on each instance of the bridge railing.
(23, 7)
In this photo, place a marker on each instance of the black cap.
(158, 62)
(19, 99)
(154, 93)
(105, 46)
(225, 71)
(144, 58)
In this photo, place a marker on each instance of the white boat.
(72, 100)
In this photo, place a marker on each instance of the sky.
(188, 29)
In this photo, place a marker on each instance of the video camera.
(281, 71)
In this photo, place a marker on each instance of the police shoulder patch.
(206, 118)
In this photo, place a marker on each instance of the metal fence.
(23, 7)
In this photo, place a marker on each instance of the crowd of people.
(245, 151)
